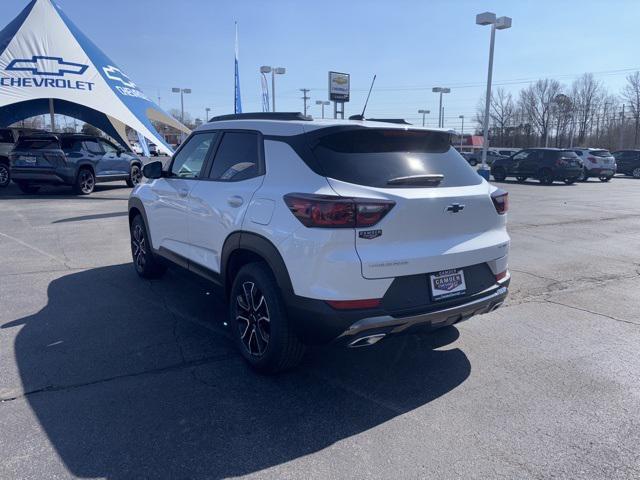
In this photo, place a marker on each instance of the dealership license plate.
(447, 284)
(29, 160)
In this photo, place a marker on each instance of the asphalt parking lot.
(105, 375)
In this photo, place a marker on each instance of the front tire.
(5, 175)
(147, 265)
(473, 163)
(85, 182)
(135, 176)
(570, 181)
(636, 172)
(604, 178)
(584, 176)
(259, 321)
(521, 179)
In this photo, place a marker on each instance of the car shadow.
(139, 379)
(531, 181)
(12, 192)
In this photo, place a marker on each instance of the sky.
(411, 46)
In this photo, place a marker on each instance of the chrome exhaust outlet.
(367, 341)
(496, 306)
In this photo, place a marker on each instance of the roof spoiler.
(284, 116)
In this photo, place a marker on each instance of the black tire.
(85, 182)
(604, 178)
(545, 176)
(636, 172)
(499, 174)
(473, 163)
(135, 176)
(570, 181)
(147, 264)
(521, 179)
(5, 175)
(26, 187)
(259, 322)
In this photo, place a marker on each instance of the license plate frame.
(447, 284)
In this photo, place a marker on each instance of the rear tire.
(5, 175)
(27, 188)
(259, 321)
(570, 181)
(521, 179)
(85, 182)
(584, 176)
(473, 163)
(604, 178)
(499, 174)
(545, 176)
(147, 264)
(636, 172)
(135, 176)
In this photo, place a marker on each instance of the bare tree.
(502, 113)
(587, 95)
(537, 102)
(631, 96)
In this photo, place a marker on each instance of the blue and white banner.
(237, 106)
(44, 55)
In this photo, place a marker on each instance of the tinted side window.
(237, 157)
(92, 146)
(69, 145)
(108, 147)
(188, 162)
(37, 144)
(521, 155)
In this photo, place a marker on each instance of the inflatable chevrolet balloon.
(43, 56)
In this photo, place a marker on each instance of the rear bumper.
(41, 175)
(601, 171)
(315, 322)
(387, 325)
(562, 173)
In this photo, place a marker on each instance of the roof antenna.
(361, 116)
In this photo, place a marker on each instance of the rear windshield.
(373, 157)
(600, 153)
(37, 144)
(568, 154)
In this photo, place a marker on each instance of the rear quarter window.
(372, 157)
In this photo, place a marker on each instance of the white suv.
(324, 231)
(596, 162)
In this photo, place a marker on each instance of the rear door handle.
(235, 201)
(183, 192)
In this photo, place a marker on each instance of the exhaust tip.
(367, 341)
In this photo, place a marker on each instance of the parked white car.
(136, 148)
(597, 162)
(324, 231)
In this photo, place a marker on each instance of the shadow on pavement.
(12, 192)
(134, 379)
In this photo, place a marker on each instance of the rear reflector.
(500, 201)
(501, 275)
(354, 304)
(329, 211)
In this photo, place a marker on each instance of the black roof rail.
(400, 121)
(286, 116)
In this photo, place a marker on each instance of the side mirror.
(152, 170)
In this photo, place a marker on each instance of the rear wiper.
(432, 180)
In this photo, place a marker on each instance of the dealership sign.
(339, 85)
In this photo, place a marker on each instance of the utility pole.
(622, 127)
(305, 98)
(206, 115)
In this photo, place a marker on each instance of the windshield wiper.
(432, 180)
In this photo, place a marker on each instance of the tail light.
(501, 276)
(328, 211)
(500, 201)
(592, 159)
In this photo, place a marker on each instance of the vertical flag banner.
(237, 106)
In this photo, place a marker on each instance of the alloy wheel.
(87, 182)
(252, 317)
(136, 175)
(636, 172)
(139, 247)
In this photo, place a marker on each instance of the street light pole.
(424, 113)
(206, 115)
(323, 103)
(489, 18)
(274, 71)
(181, 91)
(440, 90)
(461, 117)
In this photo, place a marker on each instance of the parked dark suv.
(71, 159)
(628, 162)
(544, 164)
(8, 137)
